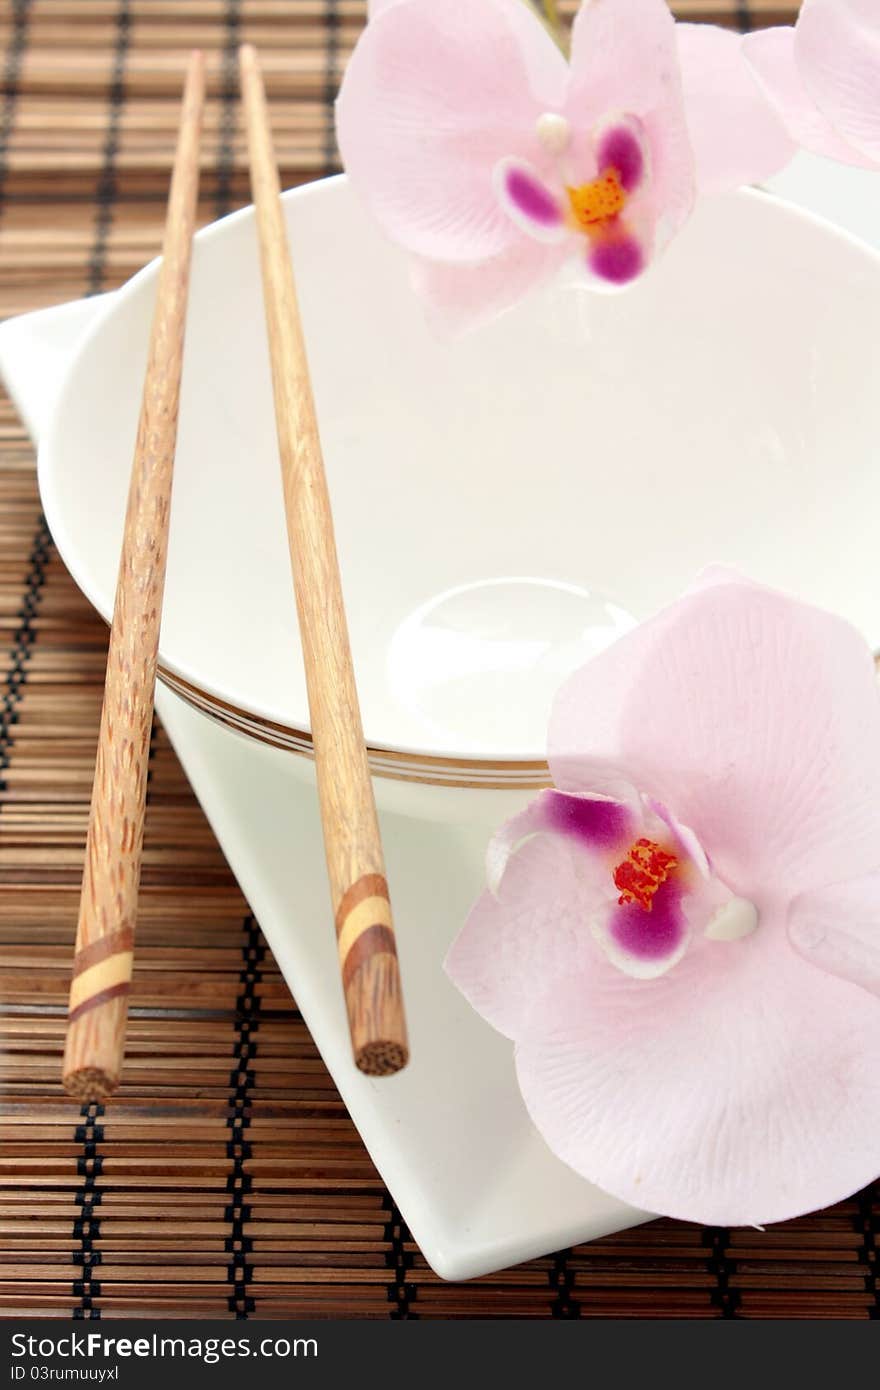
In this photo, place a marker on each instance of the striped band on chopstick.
(101, 971)
(363, 924)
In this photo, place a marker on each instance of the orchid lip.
(617, 259)
(527, 200)
(595, 821)
(619, 148)
(532, 201)
(653, 938)
(652, 880)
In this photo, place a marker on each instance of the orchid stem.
(551, 10)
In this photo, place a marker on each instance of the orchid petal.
(601, 778)
(461, 297)
(756, 718)
(521, 942)
(838, 930)
(684, 837)
(435, 94)
(737, 135)
(511, 837)
(623, 58)
(771, 54)
(740, 1087)
(837, 48)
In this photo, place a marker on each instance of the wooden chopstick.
(355, 864)
(108, 905)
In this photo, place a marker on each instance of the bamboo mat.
(226, 1178)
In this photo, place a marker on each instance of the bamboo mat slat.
(226, 1178)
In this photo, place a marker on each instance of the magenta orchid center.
(649, 888)
(598, 208)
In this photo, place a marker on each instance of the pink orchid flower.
(683, 936)
(493, 161)
(737, 134)
(823, 75)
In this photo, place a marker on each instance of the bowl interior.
(507, 502)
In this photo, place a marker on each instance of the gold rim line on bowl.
(417, 768)
(384, 762)
(505, 775)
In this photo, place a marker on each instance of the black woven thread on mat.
(722, 1297)
(106, 192)
(228, 93)
(867, 1223)
(400, 1291)
(22, 645)
(331, 39)
(11, 83)
(25, 634)
(86, 1226)
(151, 754)
(562, 1283)
(743, 16)
(238, 1245)
(239, 1271)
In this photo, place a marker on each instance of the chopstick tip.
(195, 74)
(247, 56)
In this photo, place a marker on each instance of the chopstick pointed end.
(247, 58)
